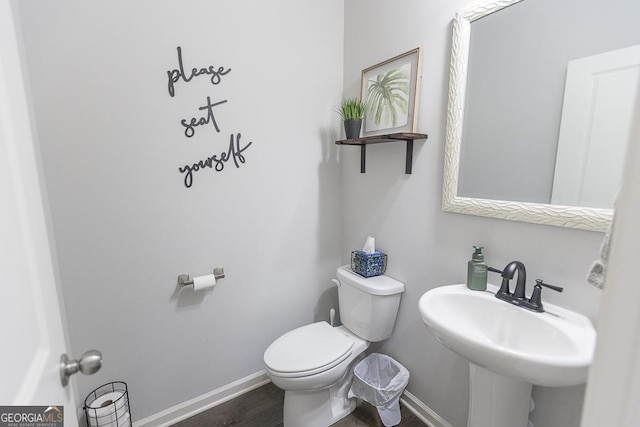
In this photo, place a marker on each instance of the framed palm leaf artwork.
(390, 91)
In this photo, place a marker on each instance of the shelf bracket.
(409, 159)
(407, 137)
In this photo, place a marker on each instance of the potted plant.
(352, 112)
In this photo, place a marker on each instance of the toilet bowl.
(313, 364)
(312, 357)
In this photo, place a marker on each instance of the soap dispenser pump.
(477, 271)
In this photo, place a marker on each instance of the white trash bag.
(380, 380)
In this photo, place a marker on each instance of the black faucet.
(518, 296)
(504, 293)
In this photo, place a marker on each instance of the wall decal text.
(235, 149)
(190, 126)
(176, 74)
(217, 162)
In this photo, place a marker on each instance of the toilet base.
(312, 401)
(319, 408)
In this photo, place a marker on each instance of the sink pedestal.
(509, 349)
(496, 400)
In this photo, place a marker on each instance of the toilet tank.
(368, 305)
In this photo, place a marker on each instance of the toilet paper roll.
(204, 282)
(123, 421)
(109, 410)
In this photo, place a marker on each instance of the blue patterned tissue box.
(368, 265)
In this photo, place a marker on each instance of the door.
(31, 321)
(597, 115)
(613, 385)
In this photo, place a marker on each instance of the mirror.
(508, 152)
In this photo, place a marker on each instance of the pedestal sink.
(509, 349)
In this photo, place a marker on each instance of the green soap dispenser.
(477, 271)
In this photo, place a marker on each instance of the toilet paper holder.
(186, 280)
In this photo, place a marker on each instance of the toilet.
(313, 363)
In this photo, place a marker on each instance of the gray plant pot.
(352, 128)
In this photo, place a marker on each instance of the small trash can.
(380, 380)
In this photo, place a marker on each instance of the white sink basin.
(554, 348)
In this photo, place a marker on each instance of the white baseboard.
(206, 401)
(422, 411)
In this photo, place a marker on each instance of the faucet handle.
(536, 296)
(504, 287)
(539, 282)
(495, 270)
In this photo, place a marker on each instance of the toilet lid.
(308, 350)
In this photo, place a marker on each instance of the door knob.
(89, 363)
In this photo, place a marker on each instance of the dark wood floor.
(262, 407)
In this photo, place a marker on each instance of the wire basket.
(108, 406)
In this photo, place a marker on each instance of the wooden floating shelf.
(408, 137)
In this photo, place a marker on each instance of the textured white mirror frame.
(538, 213)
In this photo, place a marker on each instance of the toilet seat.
(307, 350)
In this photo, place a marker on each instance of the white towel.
(598, 271)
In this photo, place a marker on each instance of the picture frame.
(391, 91)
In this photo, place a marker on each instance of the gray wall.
(125, 225)
(428, 247)
(518, 60)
